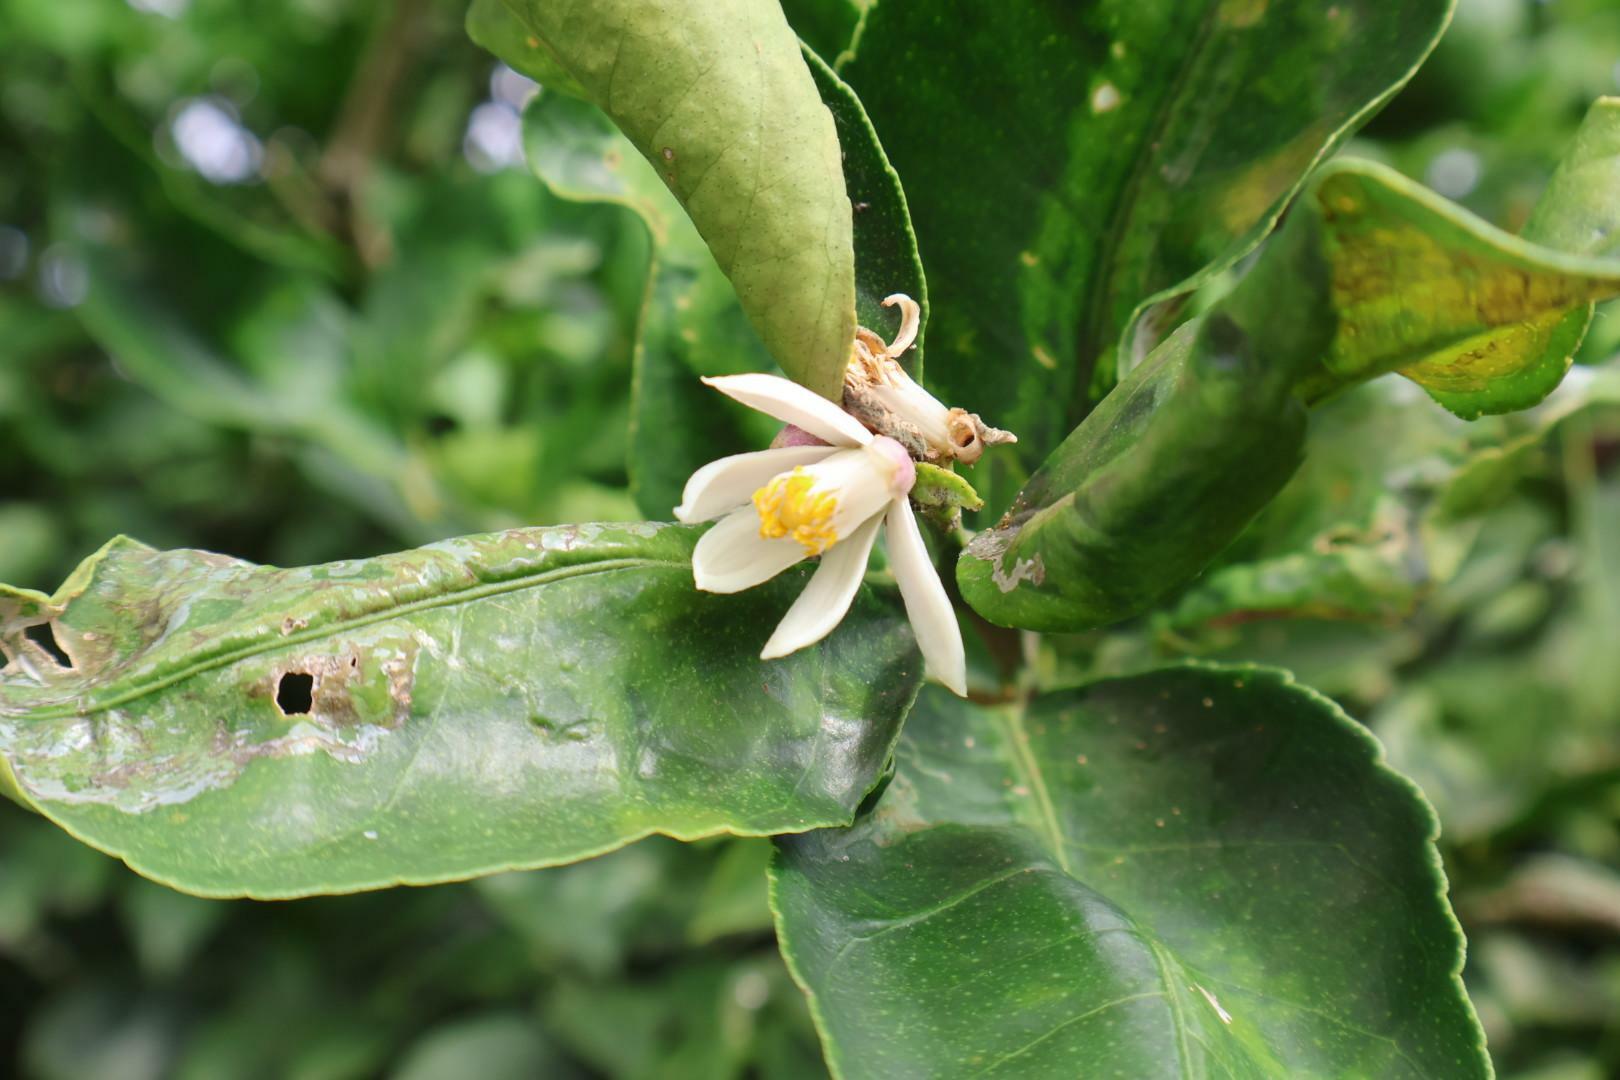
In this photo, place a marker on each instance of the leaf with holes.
(1096, 156)
(516, 699)
(717, 97)
(1194, 872)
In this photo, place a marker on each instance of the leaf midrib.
(1028, 766)
(468, 595)
(1025, 763)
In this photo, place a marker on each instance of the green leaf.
(494, 26)
(652, 897)
(493, 1046)
(1372, 273)
(166, 928)
(691, 323)
(1069, 163)
(1194, 872)
(48, 879)
(1485, 321)
(1349, 535)
(943, 490)
(301, 395)
(716, 96)
(1157, 480)
(705, 1018)
(826, 26)
(886, 259)
(1386, 506)
(515, 699)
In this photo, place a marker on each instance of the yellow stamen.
(790, 506)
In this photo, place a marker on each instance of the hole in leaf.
(295, 693)
(44, 636)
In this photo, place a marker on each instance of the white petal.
(864, 482)
(732, 556)
(925, 411)
(825, 600)
(793, 404)
(929, 609)
(729, 483)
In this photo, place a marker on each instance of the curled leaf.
(717, 97)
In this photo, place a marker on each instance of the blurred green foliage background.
(274, 281)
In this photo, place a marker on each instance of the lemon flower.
(781, 506)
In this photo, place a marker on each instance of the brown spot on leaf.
(346, 688)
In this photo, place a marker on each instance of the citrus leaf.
(1157, 480)
(1190, 873)
(1386, 506)
(827, 26)
(1485, 321)
(691, 323)
(886, 259)
(493, 26)
(1372, 274)
(716, 96)
(514, 699)
(1098, 156)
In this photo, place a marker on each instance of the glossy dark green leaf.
(886, 259)
(717, 97)
(1067, 162)
(516, 699)
(691, 323)
(1157, 480)
(826, 26)
(1191, 873)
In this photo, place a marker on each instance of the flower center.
(790, 506)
